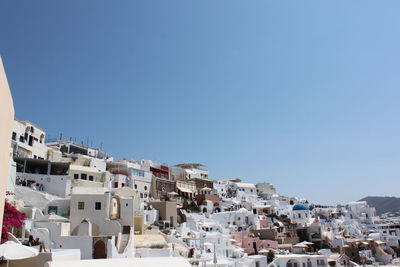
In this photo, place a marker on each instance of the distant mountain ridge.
(384, 204)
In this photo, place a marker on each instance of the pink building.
(263, 221)
(251, 244)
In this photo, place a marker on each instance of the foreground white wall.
(6, 125)
(148, 262)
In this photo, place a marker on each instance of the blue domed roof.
(300, 206)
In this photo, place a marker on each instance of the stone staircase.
(123, 243)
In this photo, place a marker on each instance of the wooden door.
(99, 251)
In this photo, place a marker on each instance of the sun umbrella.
(15, 251)
(300, 245)
(306, 243)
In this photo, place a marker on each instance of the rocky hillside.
(384, 204)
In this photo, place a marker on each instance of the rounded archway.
(115, 208)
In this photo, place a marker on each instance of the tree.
(193, 207)
(185, 204)
(270, 256)
(12, 218)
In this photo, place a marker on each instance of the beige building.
(6, 126)
(167, 210)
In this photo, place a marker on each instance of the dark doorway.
(255, 248)
(126, 229)
(99, 251)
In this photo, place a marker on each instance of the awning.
(185, 190)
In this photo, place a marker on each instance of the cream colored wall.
(6, 125)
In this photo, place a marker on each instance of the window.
(257, 264)
(309, 263)
(126, 205)
(22, 139)
(135, 186)
(81, 205)
(30, 142)
(90, 177)
(52, 209)
(145, 187)
(14, 136)
(83, 176)
(115, 184)
(137, 172)
(97, 206)
(76, 176)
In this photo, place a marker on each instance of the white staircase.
(123, 243)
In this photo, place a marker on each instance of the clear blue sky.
(303, 94)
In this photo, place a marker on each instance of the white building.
(266, 188)
(28, 140)
(43, 175)
(300, 260)
(301, 213)
(182, 172)
(85, 176)
(132, 174)
(362, 211)
(140, 181)
(119, 180)
(69, 147)
(235, 220)
(245, 189)
(95, 211)
(220, 188)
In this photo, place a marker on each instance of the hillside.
(384, 204)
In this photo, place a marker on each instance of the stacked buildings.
(81, 202)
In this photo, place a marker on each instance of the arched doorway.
(292, 263)
(99, 250)
(115, 206)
